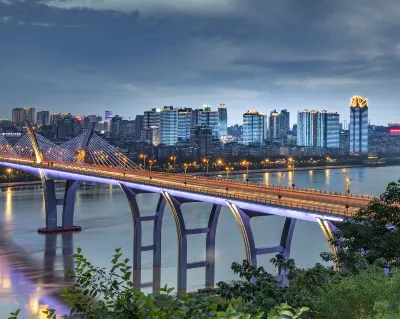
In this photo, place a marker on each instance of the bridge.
(89, 158)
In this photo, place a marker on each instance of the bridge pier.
(243, 218)
(138, 248)
(51, 203)
(183, 264)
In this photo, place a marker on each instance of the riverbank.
(285, 169)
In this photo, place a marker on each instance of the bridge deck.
(324, 202)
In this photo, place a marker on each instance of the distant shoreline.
(285, 169)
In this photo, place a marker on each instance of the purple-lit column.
(51, 203)
(175, 204)
(243, 218)
(138, 248)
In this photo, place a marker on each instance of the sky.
(88, 56)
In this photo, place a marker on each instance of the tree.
(374, 232)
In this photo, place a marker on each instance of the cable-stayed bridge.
(89, 158)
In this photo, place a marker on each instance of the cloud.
(131, 55)
(146, 6)
(5, 19)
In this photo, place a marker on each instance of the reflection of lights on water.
(266, 178)
(111, 191)
(34, 305)
(327, 176)
(6, 282)
(8, 204)
(311, 172)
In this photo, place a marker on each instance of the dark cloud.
(129, 55)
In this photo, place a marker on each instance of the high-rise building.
(108, 116)
(201, 139)
(43, 118)
(329, 129)
(223, 120)
(254, 127)
(210, 118)
(196, 117)
(18, 115)
(116, 125)
(151, 118)
(318, 129)
(185, 122)
(284, 124)
(358, 125)
(273, 132)
(169, 125)
(138, 126)
(30, 114)
(151, 135)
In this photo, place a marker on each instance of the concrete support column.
(138, 247)
(69, 204)
(243, 218)
(182, 233)
(51, 203)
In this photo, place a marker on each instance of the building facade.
(211, 119)
(43, 118)
(151, 118)
(318, 129)
(169, 125)
(185, 123)
(358, 125)
(254, 127)
(223, 120)
(273, 132)
(18, 115)
(284, 124)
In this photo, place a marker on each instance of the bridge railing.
(88, 168)
(199, 190)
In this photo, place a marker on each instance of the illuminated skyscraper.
(223, 120)
(273, 125)
(254, 127)
(318, 129)
(358, 125)
(185, 123)
(169, 125)
(210, 118)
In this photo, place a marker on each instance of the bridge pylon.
(51, 203)
(35, 143)
(82, 153)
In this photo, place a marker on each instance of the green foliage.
(368, 294)
(260, 291)
(373, 231)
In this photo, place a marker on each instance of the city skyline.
(286, 55)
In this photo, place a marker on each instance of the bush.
(98, 294)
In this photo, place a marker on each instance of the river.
(32, 265)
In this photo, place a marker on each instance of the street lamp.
(185, 167)
(144, 160)
(246, 163)
(348, 182)
(173, 158)
(280, 175)
(151, 163)
(206, 160)
(291, 165)
(228, 170)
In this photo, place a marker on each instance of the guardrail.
(253, 199)
(228, 182)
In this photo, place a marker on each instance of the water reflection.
(8, 205)
(32, 286)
